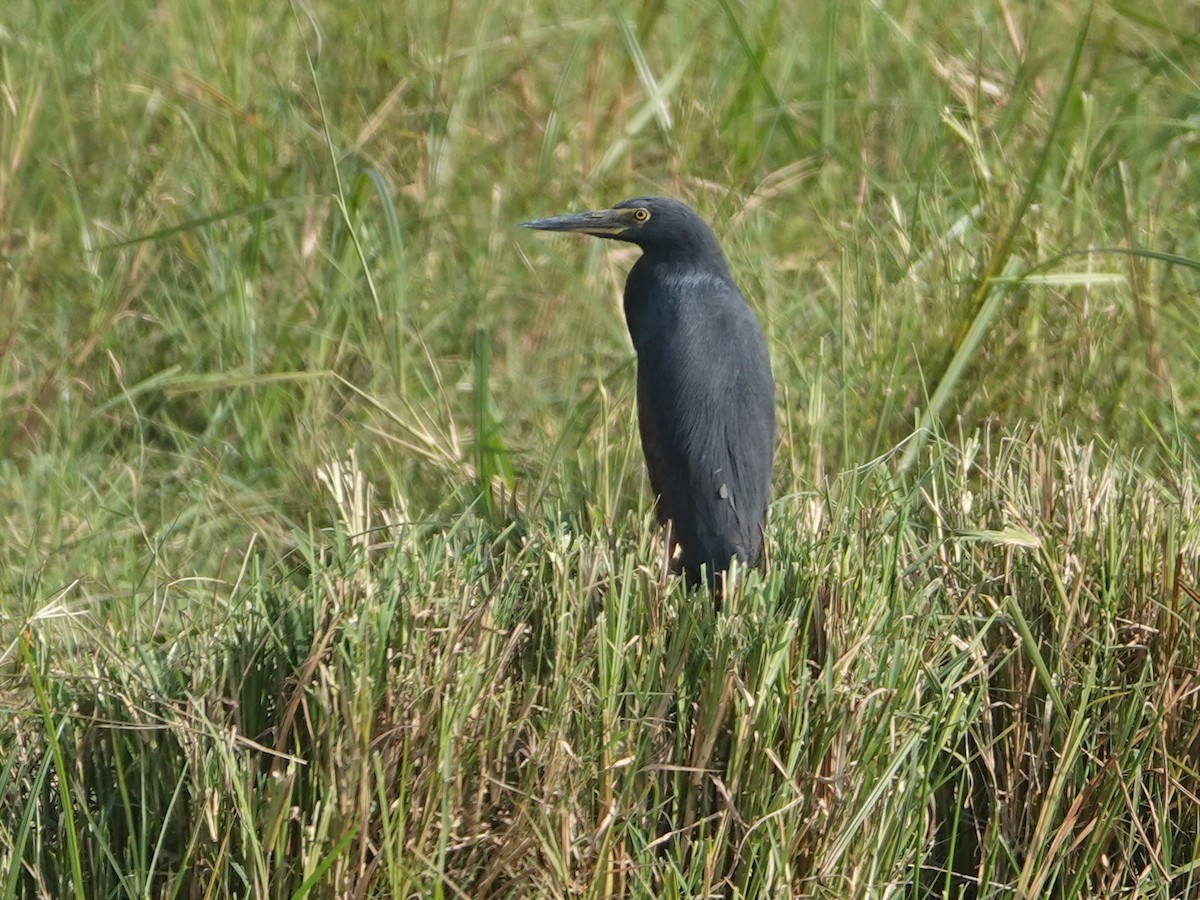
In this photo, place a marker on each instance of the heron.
(705, 393)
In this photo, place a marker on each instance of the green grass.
(327, 565)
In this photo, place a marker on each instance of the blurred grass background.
(325, 557)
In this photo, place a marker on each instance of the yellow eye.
(641, 215)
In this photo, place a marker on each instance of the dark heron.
(706, 399)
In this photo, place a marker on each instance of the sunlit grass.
(326, 560)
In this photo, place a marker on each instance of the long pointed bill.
(602, 223)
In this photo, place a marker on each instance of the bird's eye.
(641, 215)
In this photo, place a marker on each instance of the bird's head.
(656, 224)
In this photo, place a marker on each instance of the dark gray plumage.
(706, 399)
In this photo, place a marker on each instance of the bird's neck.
(667, 262)
(661, 284)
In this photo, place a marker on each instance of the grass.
(326, 562)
